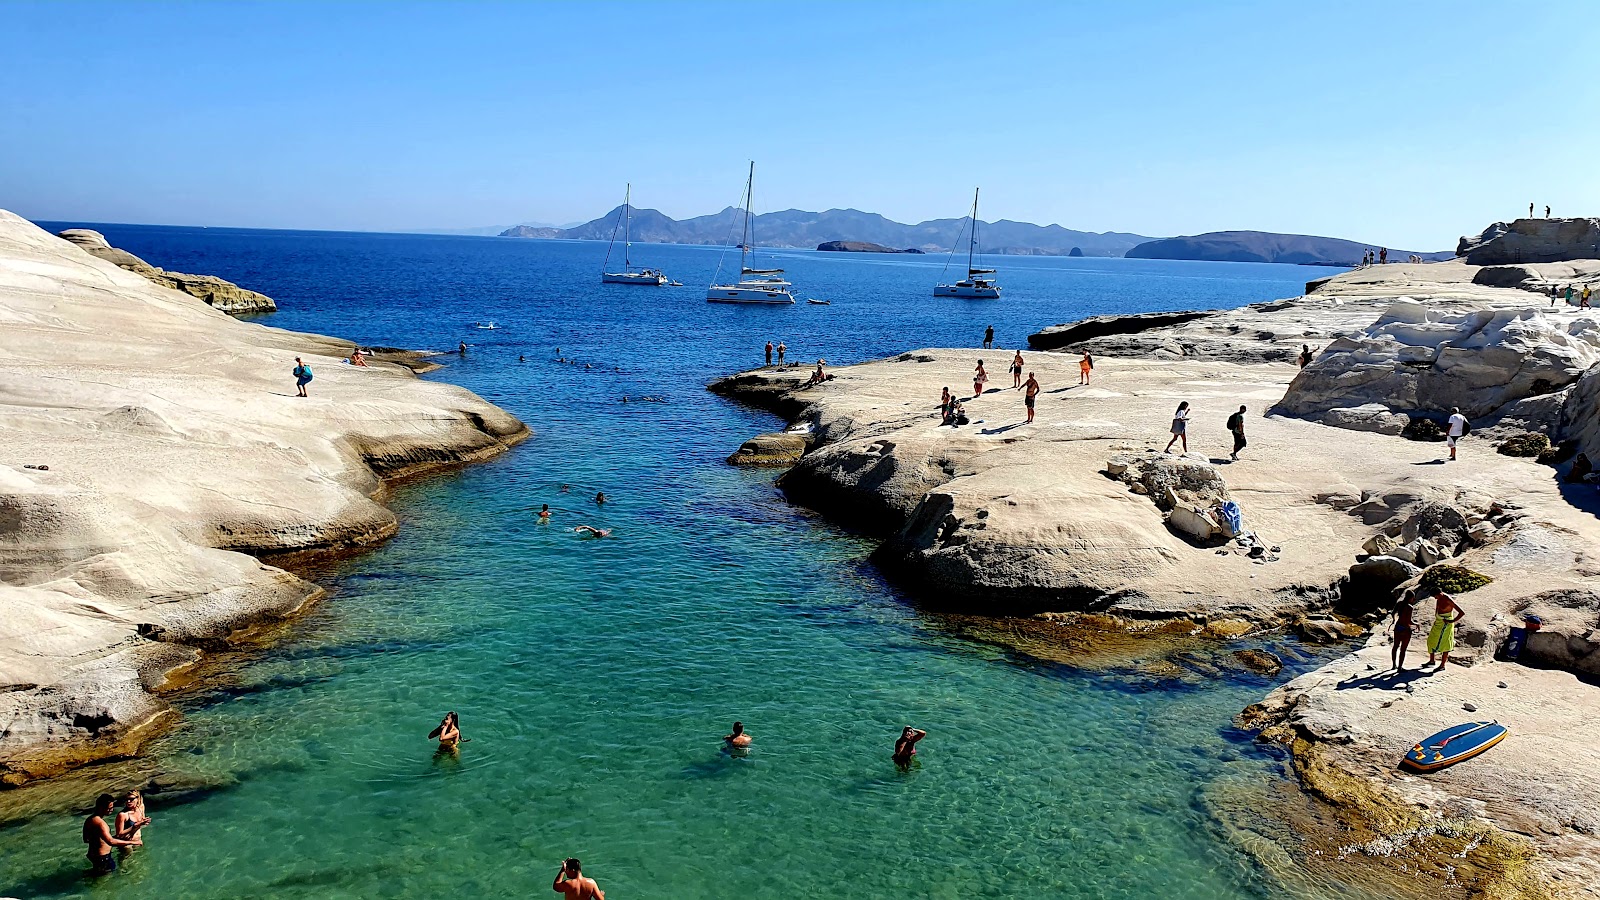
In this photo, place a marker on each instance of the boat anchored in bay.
(627, 275)
(755, 286)
(979, 283)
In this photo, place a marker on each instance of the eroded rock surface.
(216, 292)
(150, 443)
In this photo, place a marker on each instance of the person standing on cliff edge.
(988, 338)
(1547, 211)
(1530, 210)
(769, 353)
(782, 349)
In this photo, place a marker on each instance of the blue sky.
(1406, 124)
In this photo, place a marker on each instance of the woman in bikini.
(132, 819)
(979, 379)
(1402, 629)
(448, 733)
(1016, 370)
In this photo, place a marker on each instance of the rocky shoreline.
(154, 454)
(1080, 514)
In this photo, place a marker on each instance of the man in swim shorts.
(738, 740)
(905, 747)
(97, 834)
(571, 883)
(302, 375)
(1030, 395)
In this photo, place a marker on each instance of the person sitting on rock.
(357, 358)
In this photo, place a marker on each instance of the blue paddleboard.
(1453, 745)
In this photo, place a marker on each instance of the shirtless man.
(591, 531)
(905, 747)
(738, 740)
(1031, 395)
(571, 883)
(97, 834)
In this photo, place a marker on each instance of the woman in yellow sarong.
(1442, 637)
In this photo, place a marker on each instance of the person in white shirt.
(1458, 427)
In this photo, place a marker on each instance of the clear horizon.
(1155, 118)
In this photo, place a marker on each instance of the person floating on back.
(571, 883)
(302, 375)
(1236, 426)
(97, 834)
(1458, 428)
(905, 747)
(1031, 395)
(1180, 427)
(1085, 367)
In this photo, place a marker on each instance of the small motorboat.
(815, 302)
(485, 325)
(1452, 745)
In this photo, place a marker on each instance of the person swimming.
(738, 740)
(544, 512)
(448, 733)
(591, 531)
(600, 498)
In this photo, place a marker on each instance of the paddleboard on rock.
(1452, 745)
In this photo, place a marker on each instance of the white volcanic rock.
(145, 437)
(1417, 361)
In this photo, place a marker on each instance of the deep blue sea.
(595, 678)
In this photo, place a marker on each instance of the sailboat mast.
(973, 244)
(749, 200)
(627, 219)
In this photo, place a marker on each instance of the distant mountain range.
(1264, 246)
(794, 228)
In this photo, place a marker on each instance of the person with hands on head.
(571, 883)
(905, 747)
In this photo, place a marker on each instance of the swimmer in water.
(565, 488)
(738, 740)
(449, 732)
(544, 512)
(591, 531)
(600, 498)
(906, 746)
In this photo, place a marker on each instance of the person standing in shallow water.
(1404, 609)
(1442, 636)
(1030, 395)
(905, 746)
(1016, 370)
(302, 376)
(1180, 427)
(448, 733)
(738, 740)
(97, 834)
(571, 883)
(1236, 426)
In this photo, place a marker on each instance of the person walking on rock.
(302, 376)
(1442, 636)
(979, 379)
(1569, 295)
(1085, 367)
(988, 338)
(1016, 370)
(1583, 298)
(1236, 425)
(769, 353)
(1458, 428)
(1030, 395)
(1547, 211)
(1180, 427)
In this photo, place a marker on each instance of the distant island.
(798, 229)
(861, 247)
(1265, 246)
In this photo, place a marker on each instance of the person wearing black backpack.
(1236, 425)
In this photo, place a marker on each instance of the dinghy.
(1452, 745)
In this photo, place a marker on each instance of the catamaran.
(979, 283)
(627, 275)
(755, 286)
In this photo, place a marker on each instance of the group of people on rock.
(953, 412)
(1447, 613)
(1180, 429)
(782, 348)
(1582, 295)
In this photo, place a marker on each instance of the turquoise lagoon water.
(595, 678)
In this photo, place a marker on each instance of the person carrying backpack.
(1236, 425)
(302, 375)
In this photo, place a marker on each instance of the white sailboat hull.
(970, 291)
(653, 278)
(749, 293)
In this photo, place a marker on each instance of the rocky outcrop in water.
(154, 449)
(859, 247)
(216, 292)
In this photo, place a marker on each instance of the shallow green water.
(595, 679)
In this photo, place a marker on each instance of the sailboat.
(755, 286)
(979, 283)
(627, 275)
